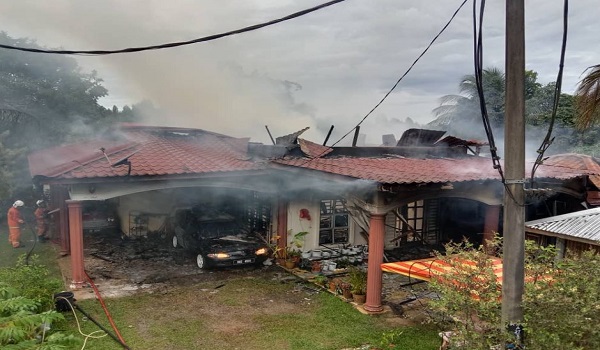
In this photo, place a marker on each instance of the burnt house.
(424, 190)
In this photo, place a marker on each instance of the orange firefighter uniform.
(14, 228)
(41, 224)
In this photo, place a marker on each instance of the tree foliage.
(588, 98)
(46, 100)
(27, 317)
(573, 129)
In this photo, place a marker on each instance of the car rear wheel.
(200, 261)
(175, 242)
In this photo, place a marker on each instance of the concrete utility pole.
(513, 279)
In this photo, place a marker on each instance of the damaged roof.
(404, 170)
(142, 151)
(411, 165)
(139, 150)
(582, 225)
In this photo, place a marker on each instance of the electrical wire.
(403, 75)
(478, 63)
(86, 336)
(557, 88)
(392, 88)
(178, 43)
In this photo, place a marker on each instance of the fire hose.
(110, 320)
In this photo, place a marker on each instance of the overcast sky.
(328, 67)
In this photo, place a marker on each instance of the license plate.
(243, 261)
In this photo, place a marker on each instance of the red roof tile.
(312, 149)
(399, 170)
(151, 151)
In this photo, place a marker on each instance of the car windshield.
(217, 229)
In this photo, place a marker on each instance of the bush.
(561, 303)
(32, 281)
(22, 326)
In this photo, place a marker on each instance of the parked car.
(217, 239)
(98, 216)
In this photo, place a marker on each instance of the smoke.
(207, 94)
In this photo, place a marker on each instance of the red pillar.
(282, 223)
(63, 221)
(76, 242)
(492, 220)
(374, 273)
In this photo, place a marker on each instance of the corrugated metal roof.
(583, 225)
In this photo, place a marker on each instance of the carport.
(145, 170)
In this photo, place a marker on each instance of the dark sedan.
(216, 241)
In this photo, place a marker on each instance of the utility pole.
(513, 279)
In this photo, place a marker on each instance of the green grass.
(188, 318)
(46, 252)
(245, 313)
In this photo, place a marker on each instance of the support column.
(374, 273)
(63, 222)
(76, 242)
(282, 223)
(492, 222)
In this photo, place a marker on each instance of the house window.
(333, 224)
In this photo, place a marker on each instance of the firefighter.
(14, 221)
(41, 214)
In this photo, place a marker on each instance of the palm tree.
(459, 113)
(588, 98)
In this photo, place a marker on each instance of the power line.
(392, 89)
(557, 87)
(402, 76)
(175, 44)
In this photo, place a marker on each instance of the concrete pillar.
(490, 227)
(76, 243)
(374, 273)
(561, 248)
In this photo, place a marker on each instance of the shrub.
(32, 281)
(23, 327)
(561, 303)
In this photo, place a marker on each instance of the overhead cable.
(557, 87)
(403, 75)
(478, 62)
(175, 44)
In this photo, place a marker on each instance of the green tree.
(588, 98)
(456, 112)
(46, 100)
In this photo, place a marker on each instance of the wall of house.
(298, 224)
(142, 212)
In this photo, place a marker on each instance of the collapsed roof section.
(143, 151)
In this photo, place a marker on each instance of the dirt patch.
(122, 267)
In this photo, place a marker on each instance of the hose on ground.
(110, 320)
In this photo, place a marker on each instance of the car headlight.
(218, 255)
(261, 251)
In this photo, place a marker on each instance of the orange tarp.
(424, 269)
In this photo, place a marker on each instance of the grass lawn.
(249, 313)
(256, 312)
